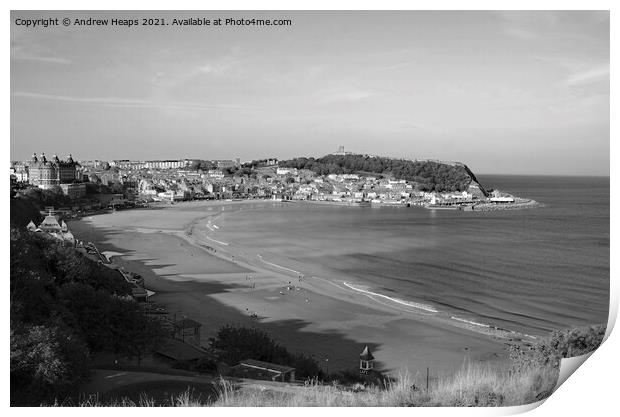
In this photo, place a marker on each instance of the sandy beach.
(182, 253)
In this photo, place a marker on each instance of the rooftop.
(266, 365)
(366, 355)
(187, 324)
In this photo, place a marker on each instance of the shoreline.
(270, 293)
(239, 257)
(479, 206)
(396, 303)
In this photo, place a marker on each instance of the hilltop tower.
(342, 152)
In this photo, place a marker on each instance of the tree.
(560, 344)
(94, 178)
(142, 335)
(116, 187)
(306, 367)
(108, 323)
(45, 362)
(35, 257)
(431, 175)
(93, 314)
(238, 343)
(24, 209)
(235, 344)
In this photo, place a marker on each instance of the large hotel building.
(46, 174)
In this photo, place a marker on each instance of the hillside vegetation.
(233, 344)
(427, 175)
(64, 309)
(532, 377)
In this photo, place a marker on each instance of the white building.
(502, 200)
(284, 171)
(215, 173)
(51, 226)
(166, 164)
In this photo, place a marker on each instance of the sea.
(530, 271)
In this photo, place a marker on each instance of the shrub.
(560, 344)
(45, 362)
(200, 365)
(234, 344)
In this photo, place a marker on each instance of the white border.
(591, 391)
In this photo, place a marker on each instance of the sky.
(504, 92)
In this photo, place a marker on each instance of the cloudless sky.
(504, 92)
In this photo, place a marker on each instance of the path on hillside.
(105, 380)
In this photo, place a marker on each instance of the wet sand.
(194, 272)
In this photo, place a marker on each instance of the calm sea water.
(530, 271)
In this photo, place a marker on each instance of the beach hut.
(367, 361)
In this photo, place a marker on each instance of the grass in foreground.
(474, 385)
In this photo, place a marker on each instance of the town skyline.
(64, 155)
(504, 92)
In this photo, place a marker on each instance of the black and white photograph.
(306, 208)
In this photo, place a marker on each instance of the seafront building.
(166, 164)
(49, 173)
(52, 227)
(46, 174)
(19, 172)
(126, 183)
